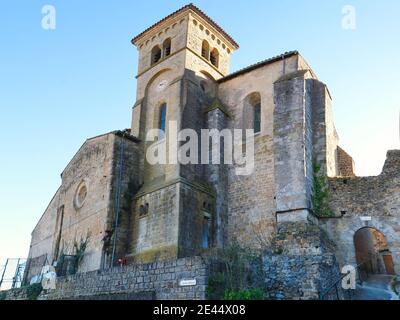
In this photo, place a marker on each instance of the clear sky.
(59, 87)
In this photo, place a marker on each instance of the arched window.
(162, 119)
(155, 55)
(167, 47)
(252, 112)
(214, 57)
(205, 50)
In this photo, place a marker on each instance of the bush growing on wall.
(240, 275)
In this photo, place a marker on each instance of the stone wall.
(126, 179)
(159, 280)
(251, 198)
(154, 234)
(108, 190)
(64, 221)
(376, 197)
(301, 264)
(345, 163)
(42, 238)
(196, 201)
(14, 294)
(325, 137)
(92, 166)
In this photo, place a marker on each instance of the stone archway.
(372, 252)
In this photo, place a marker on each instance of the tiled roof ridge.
(285, 55)
(190, 6)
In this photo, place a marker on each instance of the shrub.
(33, 291)
(240, 275)
(216, 286)
(3, 295)
(249, 294)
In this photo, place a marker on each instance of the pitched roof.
(258, 65)
(192, 7)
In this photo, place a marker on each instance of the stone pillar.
(218, 178)
(292, 148)
(325, 138)
(302, 261)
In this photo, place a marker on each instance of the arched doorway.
(372, 252)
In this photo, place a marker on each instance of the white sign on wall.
(366, 219)
(187, 282)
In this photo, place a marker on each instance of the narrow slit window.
(162, 121)
(257, 118)
(206, 232)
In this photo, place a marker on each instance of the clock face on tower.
(162, 85)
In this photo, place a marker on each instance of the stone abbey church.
(136, 214)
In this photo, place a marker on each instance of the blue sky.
(59, 87)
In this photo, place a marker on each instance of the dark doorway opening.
(373, 253)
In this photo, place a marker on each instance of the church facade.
(133, 212)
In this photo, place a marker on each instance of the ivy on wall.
(320, 198)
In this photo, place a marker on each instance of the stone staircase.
(378, 287)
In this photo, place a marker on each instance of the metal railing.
(335, 288)
(12, 274)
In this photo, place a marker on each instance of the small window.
(214, 58)
(205, 50)
(155, 55)
(167, 47)
(206, 232)
(257, 118)
(143, 210)
(162, 119)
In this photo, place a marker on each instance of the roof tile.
(192, 7)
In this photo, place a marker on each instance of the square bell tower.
(185, 40)
(180, 59)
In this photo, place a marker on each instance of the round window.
(80, 196)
